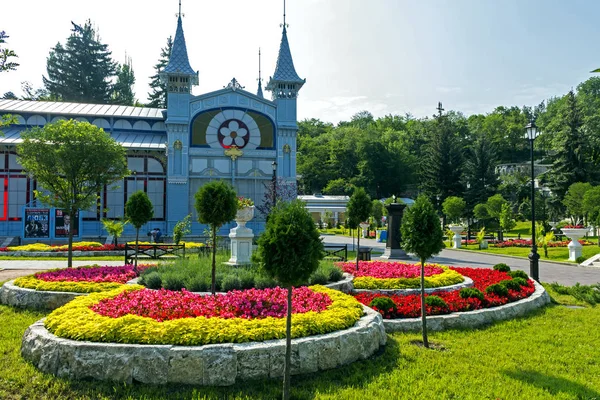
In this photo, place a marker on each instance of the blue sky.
(386, 56)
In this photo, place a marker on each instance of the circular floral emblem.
(233, 132)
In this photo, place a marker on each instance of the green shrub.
(198, 284)
(518, 274)
(246, 279)
(231, 282)
(173, 282)
(384, 304)
(580, 259)
(511, 284)
(587, 293)
(502, 267)
(335, 274)
(520, 281)
(151, 280)
(469, 292)
(319, 277)
(263, 282)
(435, 301)
(497, 289)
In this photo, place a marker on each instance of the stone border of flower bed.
(32, 299)
(210, 365)
(473, 319)
(468, 282)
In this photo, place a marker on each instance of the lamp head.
(532, 131)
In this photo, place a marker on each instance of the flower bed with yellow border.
(77, 321)
(31, 282)
(447, 278)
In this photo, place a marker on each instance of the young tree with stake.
(359, 209)
(139, 210)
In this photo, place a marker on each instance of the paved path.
(549, 271)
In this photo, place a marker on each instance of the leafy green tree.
(216, 204)
(115, 228)
(157, 97)
(454, 208)
(82, 70)
(422, 235)
(182, 228)
(73, 161)
(481, 212)
(290, 249)
(123, 88)
(507, 221)
(377, 211)
(6, 55)
(542, 237)
(591, 206)
(139, 211)
(569, 163)
(338, 187)
(574, 200)
(358, 209)
(30, 93)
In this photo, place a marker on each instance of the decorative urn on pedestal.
(364, 226)
(241, 236)
(574, 233)
(457, 239)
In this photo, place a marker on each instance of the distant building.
(230, 134)
(318, 205)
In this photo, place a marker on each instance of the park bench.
(336, 252)
(153, 251)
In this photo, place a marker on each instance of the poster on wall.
(63, 224)
(37, 223)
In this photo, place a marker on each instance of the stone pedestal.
(574, 246)
(393, 250)
(241, 238)
(363, 227)
(457, 239)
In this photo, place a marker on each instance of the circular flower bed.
(132, 314)
(88, 279)
(398, 275)
(491, 288)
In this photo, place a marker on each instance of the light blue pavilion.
(230, 134)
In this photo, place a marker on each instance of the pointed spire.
(259, 92)
(285, 82)
(179, 63)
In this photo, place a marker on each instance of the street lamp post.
(534, 257)
(274, 165)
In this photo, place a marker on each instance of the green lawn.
(551, 354)
(554, 253)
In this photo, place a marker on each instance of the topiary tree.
(290, 250)
(139, 211)
(182, 228)
(422, 235)
(453, 208)
(216, 204)
(359, 208)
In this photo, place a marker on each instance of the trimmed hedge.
(77, 321)
(446, 278)
(31, 282)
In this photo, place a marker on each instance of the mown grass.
(551, 354)
(554, 253)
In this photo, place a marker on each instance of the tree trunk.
(70, 252)
(137, 238)
(357, 246)
(288, 347)
(423, 310)
(214, 260)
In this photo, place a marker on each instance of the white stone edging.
(12, 295)
(468, 282)
(472, 319)
(214, 365)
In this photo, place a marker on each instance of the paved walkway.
(549, 271)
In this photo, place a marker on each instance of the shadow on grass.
(553, 384)
(303, 386)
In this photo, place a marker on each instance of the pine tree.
(81, 70)
(157, 98)
(6, 54)
(479, 169)
(569, 164)
(441, 167)
(123, 89)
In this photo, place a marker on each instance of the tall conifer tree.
(479, 171)
(569, 164)
(81, 70)
(123, 89)
(158, 95)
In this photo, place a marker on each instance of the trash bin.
(383, 236)
(364, 253)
